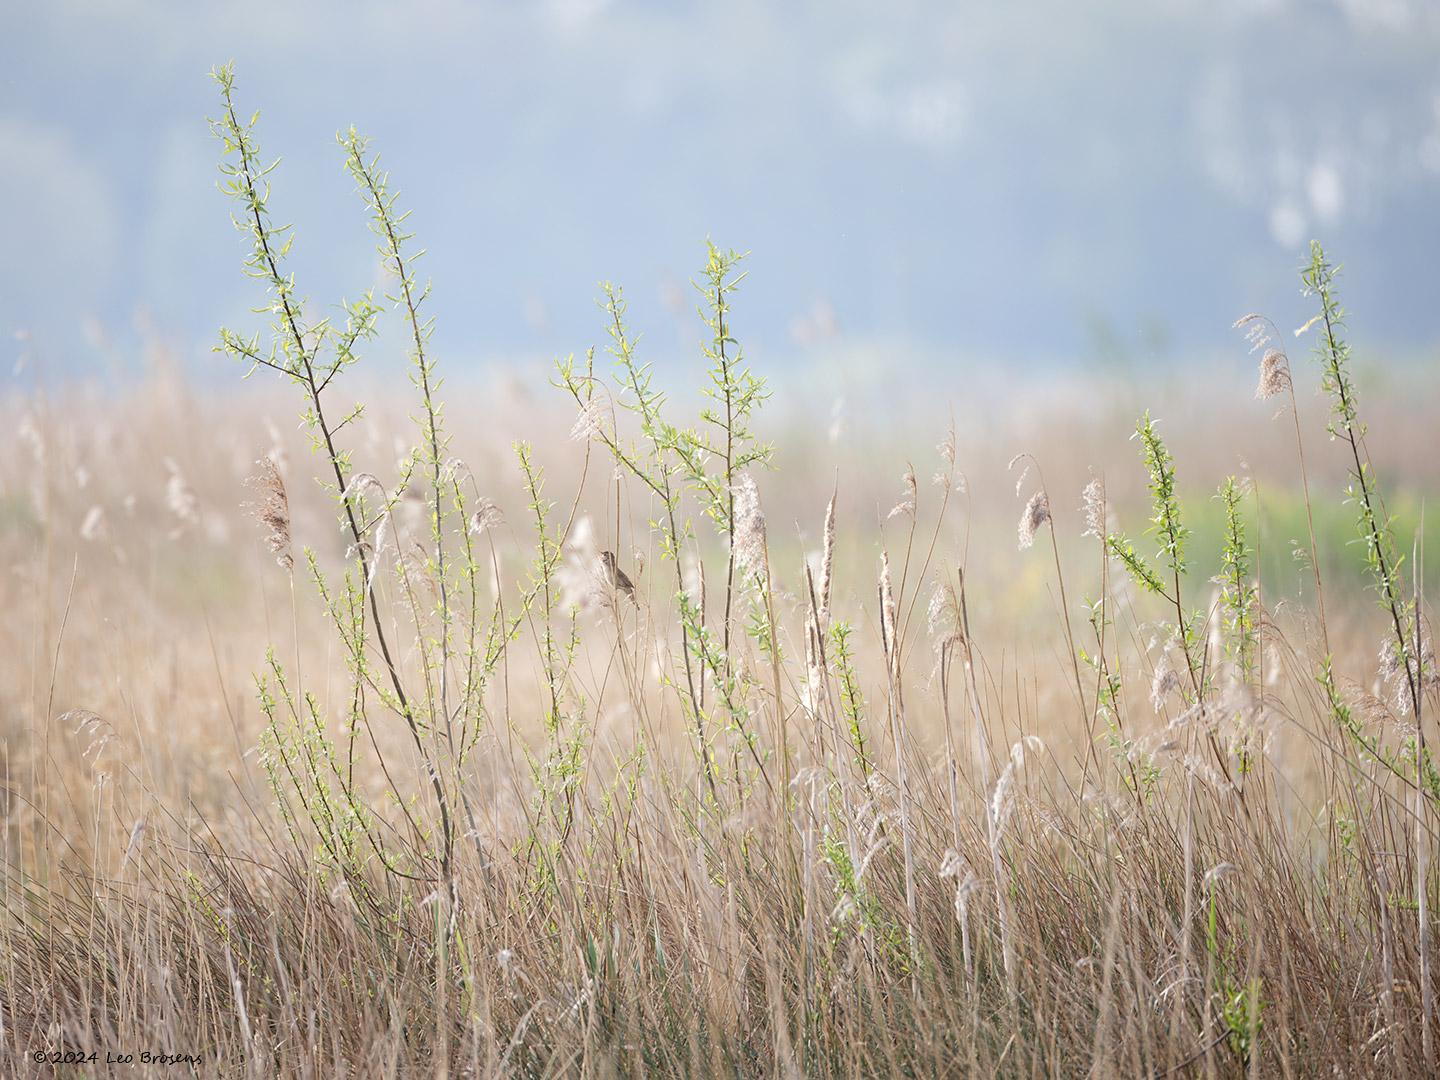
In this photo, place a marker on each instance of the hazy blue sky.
(930, 182)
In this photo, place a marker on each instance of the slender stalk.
(381, 202)
(302, 369)
(1334, 353)
(1422, 810)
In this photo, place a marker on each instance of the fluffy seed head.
(942, 616)
(827, 561)
(749, 527)
(1274, 374)
(906, 505)
(1218, 873)
(1165, 683)
(935, 612)
(588, 423)
(1037, 513)
(887, 602)
(1257, 330)
(1092, 501)
(273, 511)
(486, 516)
(946, 478)
(1024, 474)
(1002, 799)
(361, 483)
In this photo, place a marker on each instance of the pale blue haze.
(945, 183)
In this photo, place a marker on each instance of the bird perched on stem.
(616, 578)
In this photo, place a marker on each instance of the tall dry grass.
(376, 768)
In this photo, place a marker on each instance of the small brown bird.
(615, 577)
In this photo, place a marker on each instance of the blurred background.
(928, 191)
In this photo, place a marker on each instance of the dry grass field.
(331, 744)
